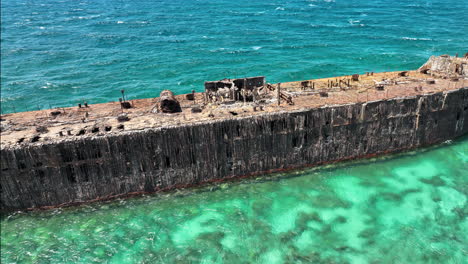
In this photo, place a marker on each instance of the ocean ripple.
(116, 40)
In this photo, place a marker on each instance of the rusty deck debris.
(223, 99)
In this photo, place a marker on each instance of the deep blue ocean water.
(60, 53)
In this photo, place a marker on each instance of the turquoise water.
(62, 52)
(408, 208)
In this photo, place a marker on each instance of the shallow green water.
(408, 208)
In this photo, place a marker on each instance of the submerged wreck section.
(237, 127)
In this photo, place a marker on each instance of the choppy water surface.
(410, 208)
(60, 53)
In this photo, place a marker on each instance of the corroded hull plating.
(97, 168)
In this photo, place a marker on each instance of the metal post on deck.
(244, 95)
(279, 93)
(123, 94)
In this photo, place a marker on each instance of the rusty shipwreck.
(236, 127)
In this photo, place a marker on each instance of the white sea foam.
(217, 50)
(408, 38)
(352, 22)
(86, 17)
(47, 85)
(280, 8)
(18, 50)
(120, 22)
(256, 47)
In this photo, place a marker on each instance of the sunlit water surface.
(64, 52)
(408, 208)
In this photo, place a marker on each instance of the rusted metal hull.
(116, 165)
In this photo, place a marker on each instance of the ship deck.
(20, 129)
